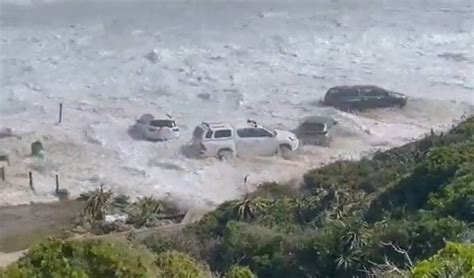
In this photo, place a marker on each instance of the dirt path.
(21, 226)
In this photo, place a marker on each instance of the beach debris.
(153, 56)
(37, 149)
(204, 96)
(62, 194)
(4, 157)
(118, 217)
(194, 214)
(7, 132)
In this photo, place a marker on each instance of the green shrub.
(454, 260)
(185, 241)
(272, 190)
(55, 258)
(457, 198)
(420, 235)
(430, 176)
(240, 272)
(147, 209)
(258, 247)
(174, 264)
(213, 223)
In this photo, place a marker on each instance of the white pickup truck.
(222, 140)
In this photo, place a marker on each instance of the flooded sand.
(23, 225)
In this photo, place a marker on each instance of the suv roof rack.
(254, 123)
(216, 125)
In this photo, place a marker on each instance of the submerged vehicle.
(222, 140)
(362, 97)
(151, 129)
(316, 130)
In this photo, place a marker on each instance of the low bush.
(55, 258)
(454, 260)
(174, 264)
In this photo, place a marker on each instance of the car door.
(265, 142)
(246, 142)
(351, 98)
(254, 141)
(369, 97)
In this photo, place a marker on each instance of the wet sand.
(23, 225)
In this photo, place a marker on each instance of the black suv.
(361, 97)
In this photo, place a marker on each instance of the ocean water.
(271, 61)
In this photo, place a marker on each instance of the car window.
(163, 123)
(253, 133)
(209, 134)
(312, 127)
(367, 92)
(260, 132)
(348, 93)
(224, 133)
(246, 132)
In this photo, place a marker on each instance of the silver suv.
(151, 129)
(222, 140)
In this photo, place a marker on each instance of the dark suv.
(361, 97)
(316, 130)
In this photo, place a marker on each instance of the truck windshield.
(313, 128)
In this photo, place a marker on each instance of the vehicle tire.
(326, 143)
(225, 155)
(402, 104)
(285, 151)
(347, 108)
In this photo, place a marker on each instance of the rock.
(6, 132)
(204, 96)
(194, 215)
(37, 149)
(153, 56)
(62, 194)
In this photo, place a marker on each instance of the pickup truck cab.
(222, 140)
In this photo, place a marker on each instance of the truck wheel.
(347, 108)
(225, 155)
(285, 151)
(326, 143)
(401, 104)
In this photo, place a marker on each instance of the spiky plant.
(352, 241)
(145, 210)
(97, 203)
(121, 202)
(247, 209)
